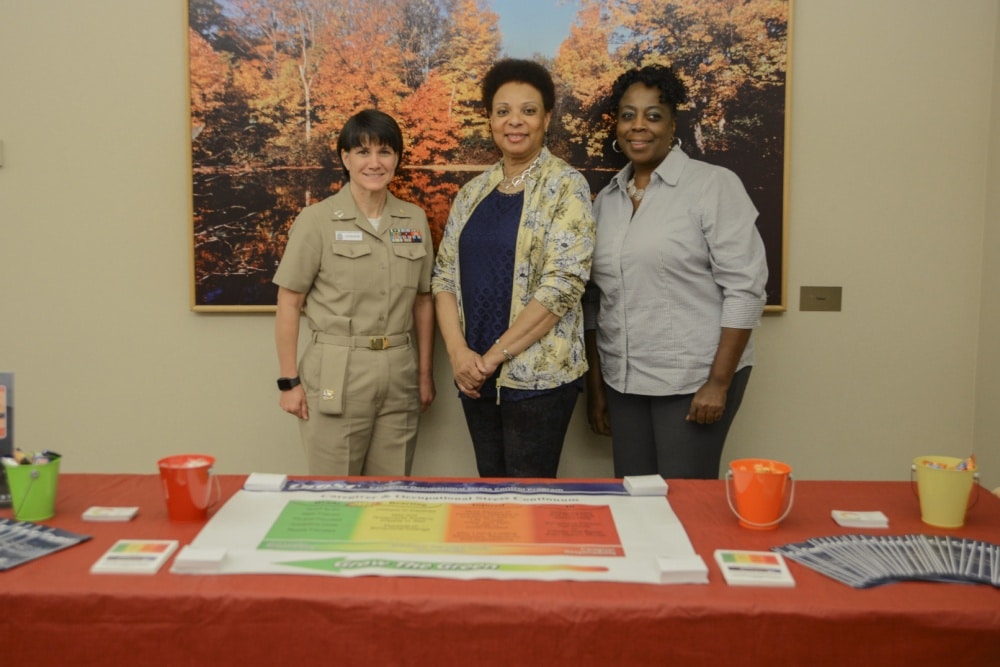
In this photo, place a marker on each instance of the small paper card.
(198, 560)
(682, 569)
(101, 513)
(134, 557)
(753, 568)
(852, 519)
(646, 485)
(264, 481)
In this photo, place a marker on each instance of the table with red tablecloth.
(54, 612)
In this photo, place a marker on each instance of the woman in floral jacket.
(510, 271)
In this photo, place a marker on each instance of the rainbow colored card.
(135, 557)
(753, 568)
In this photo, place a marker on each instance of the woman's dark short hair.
(673, 92)
(370, 126)
(520, 71)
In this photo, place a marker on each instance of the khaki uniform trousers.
(376, 433)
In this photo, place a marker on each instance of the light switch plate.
(820, 298)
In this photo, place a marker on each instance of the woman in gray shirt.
(678, 283)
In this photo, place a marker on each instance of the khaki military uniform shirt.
(358, 281)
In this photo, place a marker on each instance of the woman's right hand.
(293, 402)
(597, 410)
(469, 371)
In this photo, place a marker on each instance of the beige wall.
(987, 421)
(895, 160)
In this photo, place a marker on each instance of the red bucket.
(760, 486)
(187, 485)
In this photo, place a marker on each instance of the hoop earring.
(678, 140)
(615, 147)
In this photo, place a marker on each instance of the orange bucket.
(760, 486)
(187, 485)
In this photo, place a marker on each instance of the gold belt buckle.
(378, 343)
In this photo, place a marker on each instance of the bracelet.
(510, 357)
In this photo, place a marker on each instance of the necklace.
(634, 192)
(518, 181)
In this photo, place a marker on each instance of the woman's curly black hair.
(673, 92)
(520, 71)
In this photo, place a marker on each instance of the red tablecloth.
(53, 612)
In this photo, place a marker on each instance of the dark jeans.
(521, 438)
(649, 435)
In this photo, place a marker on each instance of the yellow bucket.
(943, 490)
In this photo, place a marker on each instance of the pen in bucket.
(44, 456)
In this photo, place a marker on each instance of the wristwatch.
(284, 384)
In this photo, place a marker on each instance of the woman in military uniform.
(358, 266)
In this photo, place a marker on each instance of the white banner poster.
(459, 530)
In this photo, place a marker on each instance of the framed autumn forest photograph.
(273, 81)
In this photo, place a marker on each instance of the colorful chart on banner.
(455, 530)
(478, 528)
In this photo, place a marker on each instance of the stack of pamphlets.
(23, 541)
(862, 561)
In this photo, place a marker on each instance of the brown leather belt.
(363, 342)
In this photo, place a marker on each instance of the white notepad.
(265, 481)
(645, 485)
(195, 560)
(682, 569)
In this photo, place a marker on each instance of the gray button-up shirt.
(689, 262)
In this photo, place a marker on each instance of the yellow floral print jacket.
(555, 246)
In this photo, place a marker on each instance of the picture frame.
(272, 81)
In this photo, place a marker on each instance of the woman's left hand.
(468, 370)
(708, 404)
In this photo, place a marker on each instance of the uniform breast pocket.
(351, 264)
(410, 259)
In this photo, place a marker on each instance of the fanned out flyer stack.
(862, 561)
(23, 541)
